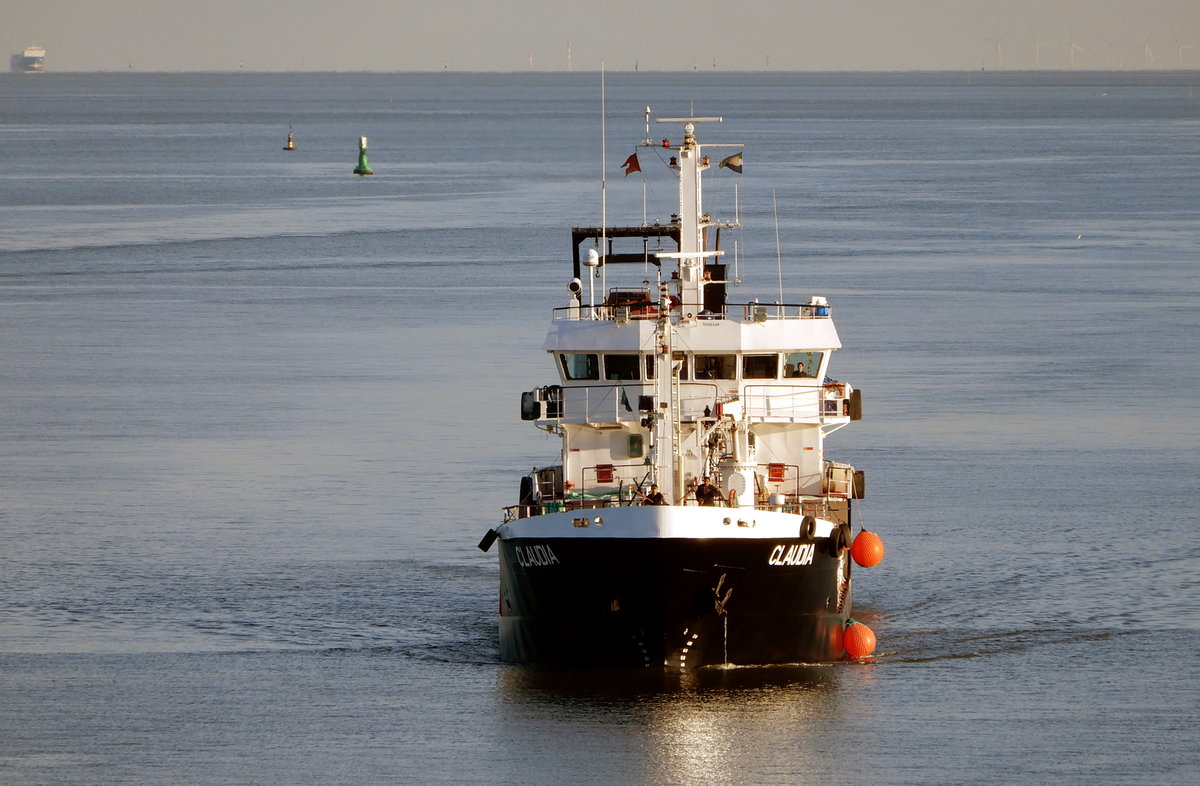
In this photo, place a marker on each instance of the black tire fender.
(808, 528)
(839, 540)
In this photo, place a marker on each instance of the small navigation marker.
(291, 145)
(363, 167)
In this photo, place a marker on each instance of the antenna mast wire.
(646, 143)
(778, 252)
(603, 189)
(737, 220)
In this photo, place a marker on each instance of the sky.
(618, 35)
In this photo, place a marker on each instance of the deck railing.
(619, 401)
(830, 508)
(736, 312)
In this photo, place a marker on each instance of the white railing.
(618, 403)
(781, 401)
(737, 312)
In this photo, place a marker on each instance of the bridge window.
(621, 367)
(716, 366)
(760, 367)
(802, 364)
(580, 365)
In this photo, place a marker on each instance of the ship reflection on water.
(710, 725)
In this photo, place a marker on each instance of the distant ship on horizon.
(32, 60)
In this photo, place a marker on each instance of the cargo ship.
(691, 517)
(31, 60)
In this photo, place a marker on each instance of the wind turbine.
(1148, 58)
(999, 46)
(1180, 48)
(1077, 48)
(1037, 48)
(1108, 52)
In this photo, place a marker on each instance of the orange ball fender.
(867, 549)
(858, 640)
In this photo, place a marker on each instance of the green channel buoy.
(363, 167)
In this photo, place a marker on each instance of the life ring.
(808, 528)
(733, 498)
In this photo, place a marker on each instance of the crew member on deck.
(655, 496)
(706, 493)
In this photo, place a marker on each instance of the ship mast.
(665, 417)
(689, 280)
(692, 222)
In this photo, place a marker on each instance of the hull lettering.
(535, 556)
(795, 554)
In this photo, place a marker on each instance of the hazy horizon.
(650, 35)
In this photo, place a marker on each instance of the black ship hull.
(674, 602)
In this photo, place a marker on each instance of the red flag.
(631, 165)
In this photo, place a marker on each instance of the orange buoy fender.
(858, 640)
(867, 549)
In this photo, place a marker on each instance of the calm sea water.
(256, 412)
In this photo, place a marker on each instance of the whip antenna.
(603, 185)
(778, 252)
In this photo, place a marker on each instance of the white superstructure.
(665, 383)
